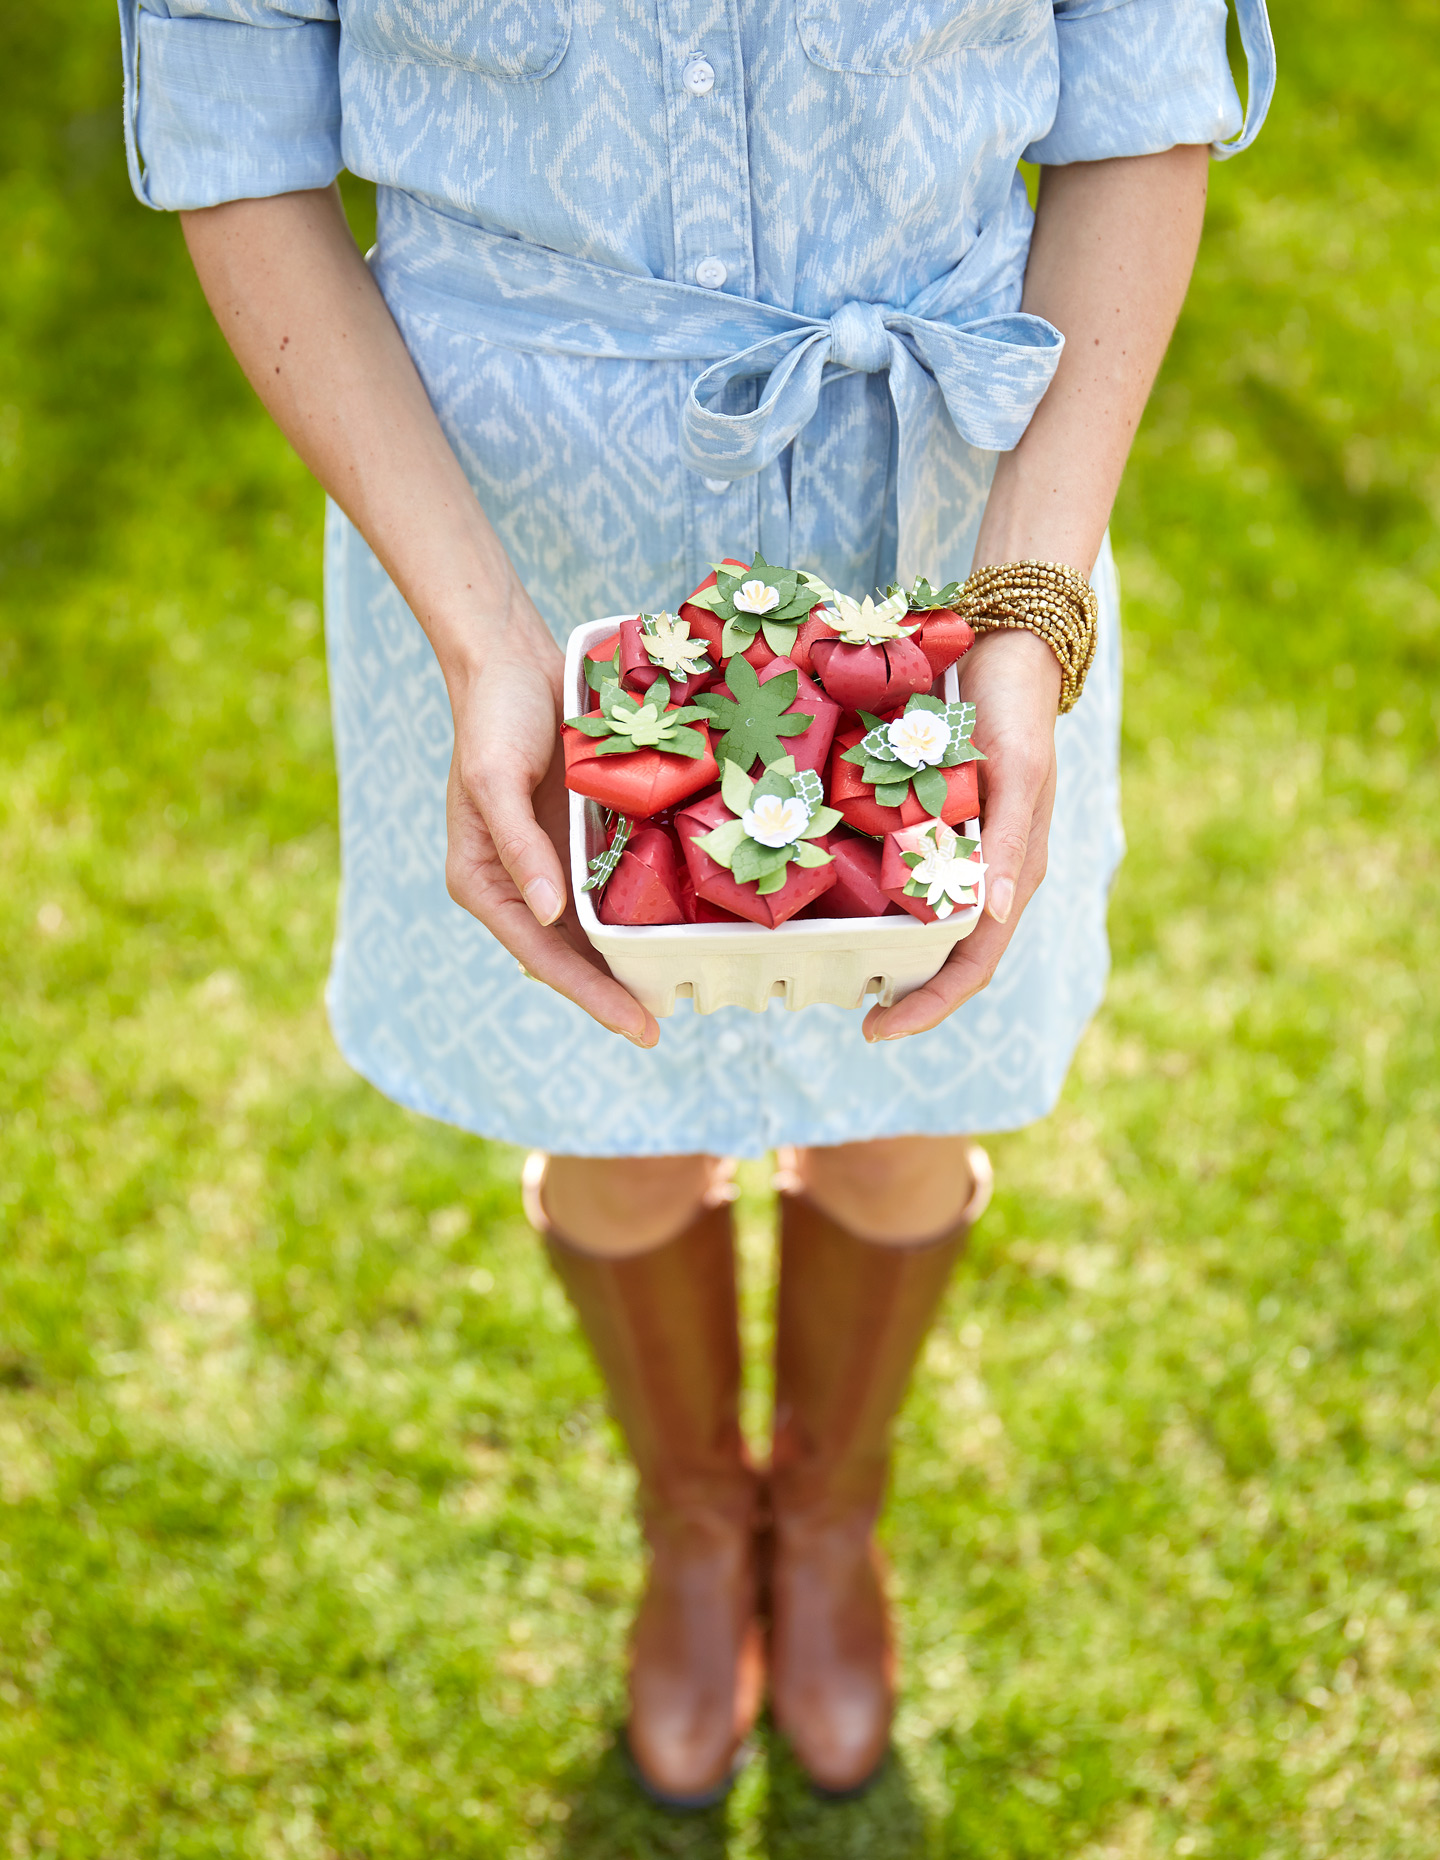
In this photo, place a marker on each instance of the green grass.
(309, 1513)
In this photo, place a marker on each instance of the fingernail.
(1002, 896)
(544, 900)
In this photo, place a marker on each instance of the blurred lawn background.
(312, 1531)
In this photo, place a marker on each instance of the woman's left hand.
(1013, 680)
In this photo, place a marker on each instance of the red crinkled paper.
(716, 885)
(848, 790)
(944, 637)
(857, 891)
(895, 875)
(644, 888)
(639, 783)
(811, 746)
(871, 678)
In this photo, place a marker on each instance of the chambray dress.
(685, 277)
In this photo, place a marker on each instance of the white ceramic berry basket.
(839, 960)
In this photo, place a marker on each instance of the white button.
(729, 1044)
(698, 77)
(711, 273)
(718, 485)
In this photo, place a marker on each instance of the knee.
(893, 1190)
(617, 1206)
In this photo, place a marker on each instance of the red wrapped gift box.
(645, 885)
(895, 874)
(851, 793)
(857, 891)
(717, 886)
(641, 783)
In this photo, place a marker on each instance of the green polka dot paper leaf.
(602, 866)
(627, 723)
(776, 821)
(910, 751)
(752, 716)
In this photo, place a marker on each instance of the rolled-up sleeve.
(230, 99)
(1140, 76)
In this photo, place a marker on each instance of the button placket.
(709, 154)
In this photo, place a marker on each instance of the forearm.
(1111, 257)
(308, 325)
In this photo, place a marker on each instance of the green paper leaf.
(810, 855)
(772, 881)
(721, 841)
(930, 789)
(736, 786)
(737, 635)
(591, 724)
(779, 635)
(921, 700)
(857, 755)
(891, 793)
(752, 861)
(912, 859)
(752, 715)
(824, 820)
(598, 671)
(602, 866)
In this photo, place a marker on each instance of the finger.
(965, 972)
(506, 805)
(548, 956)
(1013, 785)
(971, 964)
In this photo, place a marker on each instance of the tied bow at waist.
(947, 362)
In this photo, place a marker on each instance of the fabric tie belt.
(955, 354)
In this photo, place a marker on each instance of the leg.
(646, 1253)
(869, 1234)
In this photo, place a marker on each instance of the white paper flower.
(771, 821)
(862, 623)
(919, 738)
(756, 597)
(947, 877)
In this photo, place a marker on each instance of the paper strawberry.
(869, 661)
(753, 716)
(637, 756)
(930, 870)
(656, 645)
(909, 752)
(943, 636)
(760, 600)
(645, 887)
(760, 850)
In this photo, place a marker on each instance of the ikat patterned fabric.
(684, 278)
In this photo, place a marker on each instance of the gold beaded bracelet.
(1045, 598)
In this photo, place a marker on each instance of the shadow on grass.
(771, 1811)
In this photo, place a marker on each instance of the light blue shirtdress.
(685, 277)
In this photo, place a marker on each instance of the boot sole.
(683, 1804)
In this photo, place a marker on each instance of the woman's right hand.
(507, 817)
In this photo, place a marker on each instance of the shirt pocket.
(516, 41)
(886, 39)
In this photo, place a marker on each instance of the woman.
(655, 285)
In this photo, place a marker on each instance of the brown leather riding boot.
(664, 1331)
(852, 1317)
